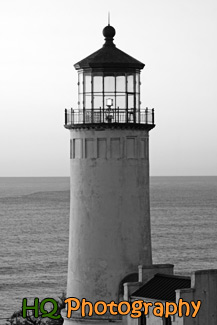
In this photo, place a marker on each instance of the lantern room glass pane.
(87, 101)
(80, 101)
(109, 84)
(87, 83)
(97, 102)
(130, 83)
(80, 83)
(130, 101)
(97, 84)
(121, 83)
(121, 102)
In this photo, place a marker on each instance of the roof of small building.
(162, 287)
(109, 56)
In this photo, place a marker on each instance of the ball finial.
(108, 32)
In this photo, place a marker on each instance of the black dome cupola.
(109, 56)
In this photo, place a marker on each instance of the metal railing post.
(65, 116)
(152, 111)
(146, 115)
(72, 122)
(92, 116)
(127, 115)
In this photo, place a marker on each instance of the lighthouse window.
(80, 83)
(97, 101)
(80, 100)
(121, 101)
(97, 83)
(130, 83)
(87, 83)
(95, 88)
(88, 101)
(130, 101)
(109, 84)
(120, 84)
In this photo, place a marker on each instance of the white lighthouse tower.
(109, 167)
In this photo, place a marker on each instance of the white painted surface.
(110, 213)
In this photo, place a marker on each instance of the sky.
(41, 40)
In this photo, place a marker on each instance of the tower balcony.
(130, 118)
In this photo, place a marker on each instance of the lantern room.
(109, 88)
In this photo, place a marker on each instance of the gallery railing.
(108, 115)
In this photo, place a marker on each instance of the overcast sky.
(41, 40)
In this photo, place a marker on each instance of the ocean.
(34, 232)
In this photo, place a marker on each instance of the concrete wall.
(146, 272)
(204, 288)
(109, 213)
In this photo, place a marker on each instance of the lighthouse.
(109, 233)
